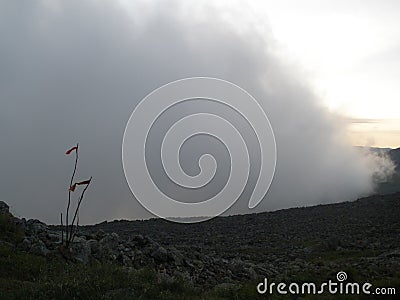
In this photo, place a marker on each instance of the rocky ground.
(362, 237)
(299, 244)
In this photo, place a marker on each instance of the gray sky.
(350, 52)
(73, 71)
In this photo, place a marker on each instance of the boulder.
(54, 237)
(176, 256)
(124, 260)
(39, 248)
(100, 234)
(35, 227)
(160, 254)
(4, 208)
(25, 245)
(81, 249)
(110, 241)
(94, 246)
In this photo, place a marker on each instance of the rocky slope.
(361, 237)
(394, 155)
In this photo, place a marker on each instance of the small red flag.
(72, 187)
(84, 182)
(72, 149)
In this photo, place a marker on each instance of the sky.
(350, 49)
(73, 71)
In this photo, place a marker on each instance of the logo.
(341, 276)
(329, 287)
(140, 151)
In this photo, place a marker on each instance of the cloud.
(73, 71)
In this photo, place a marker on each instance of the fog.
(73, 71)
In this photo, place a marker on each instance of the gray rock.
(81, 249)
(177, 256)
(124, 260)
(94, 246)
(25, 245)
(139, 239)
(160, 254)
(35, 227)
(251, 273)
(129, 252)
(39, 248)
(54, 237)
(110, 241)
(4, 208)
(100, 234)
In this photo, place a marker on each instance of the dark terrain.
(223, 258)
(362, 237)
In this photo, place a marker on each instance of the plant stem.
(69, 196)
(62, 231)
(71, 237)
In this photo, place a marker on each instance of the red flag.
(72, 187)
(72, 149)
(84, 182)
